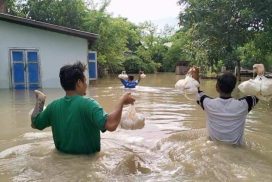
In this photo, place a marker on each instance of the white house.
(32, 52)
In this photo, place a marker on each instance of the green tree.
(121, 44)
(224, 26)
(69, 13)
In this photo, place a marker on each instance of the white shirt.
(226, 117)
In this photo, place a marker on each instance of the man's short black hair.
(130, 77)
(226, 82)
(70, 74)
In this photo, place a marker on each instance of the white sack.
(131, 120)
(40, 97)
(267, 87)
(188, 85)
(260, 87)
(123, 75)
(142, 75)
(31, 111)
(250, 87)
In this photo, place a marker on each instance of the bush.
(134, 64)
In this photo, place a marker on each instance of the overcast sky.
(158, 11)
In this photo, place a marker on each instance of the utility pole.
(238, 71)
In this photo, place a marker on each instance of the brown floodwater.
(171, 147)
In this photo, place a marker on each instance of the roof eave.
(91, 37)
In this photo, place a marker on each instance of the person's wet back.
(76, 121)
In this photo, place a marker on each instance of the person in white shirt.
(225, 115)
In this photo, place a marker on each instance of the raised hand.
(127, 99)
(39, 95)
(40, 100)
(259, 69)
(194, 71)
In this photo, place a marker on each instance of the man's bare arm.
(40, 101)
(115, 116)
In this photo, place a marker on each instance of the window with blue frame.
(92, 65)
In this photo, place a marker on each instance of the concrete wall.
(55, 50)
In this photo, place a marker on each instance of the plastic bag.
(123, 75)
(188, 85)
(31, 110)
(266, 87)
(142, 75)
(40, 97)
(250, 87)
(131, 120)
(260, 87)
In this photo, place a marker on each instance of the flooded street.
(171, 147)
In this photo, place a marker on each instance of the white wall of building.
(55, 50)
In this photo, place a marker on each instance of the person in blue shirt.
(130, 82)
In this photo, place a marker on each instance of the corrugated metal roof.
(91, 37)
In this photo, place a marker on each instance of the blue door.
(18, 69)
(25, 69)
(92, 65)
(32, 71)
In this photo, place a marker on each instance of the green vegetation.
(236, 32)
(212, 33)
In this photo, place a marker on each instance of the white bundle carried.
(188, 85)
(40, 97)
(260, 86)
(142, 75)
(123, 75)
(131, 120)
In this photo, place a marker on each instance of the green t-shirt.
(76, 123)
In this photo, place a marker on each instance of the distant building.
(32, 52)
(182, 67)
(243, 72)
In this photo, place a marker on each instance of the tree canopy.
(231, 31)
(212, 33)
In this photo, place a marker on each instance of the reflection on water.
(171, 147)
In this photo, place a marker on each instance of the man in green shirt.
(76, 121)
